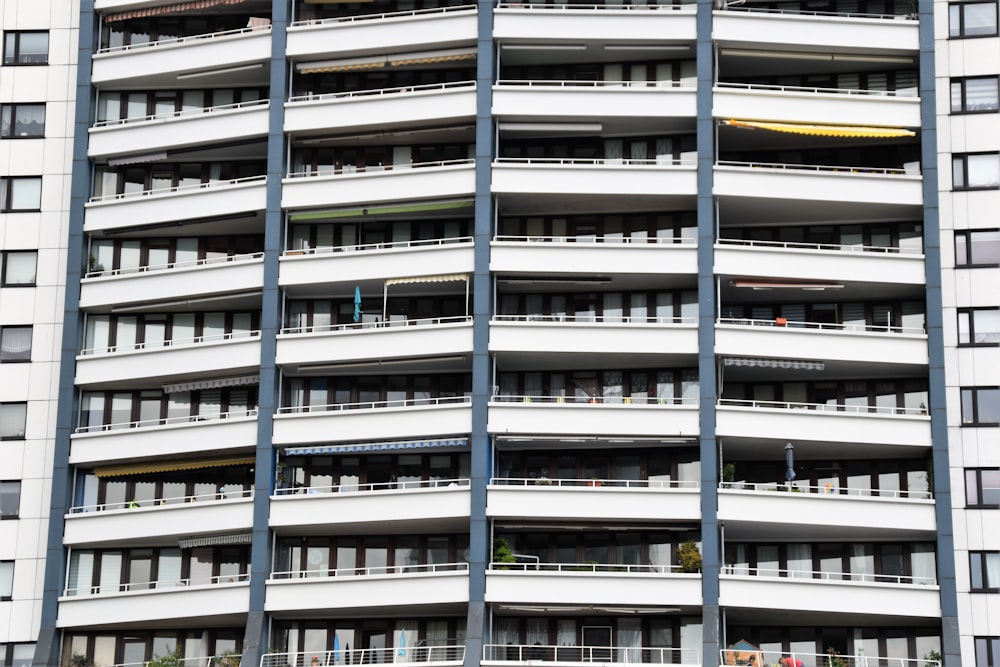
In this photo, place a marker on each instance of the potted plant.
(932, 658)
(729, 473)
(169, 659)
(502, 553)
(688, 557)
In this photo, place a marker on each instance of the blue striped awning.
(378, 446)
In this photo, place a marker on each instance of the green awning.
(391, 209)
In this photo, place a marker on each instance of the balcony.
(194, 127)
(642, 24)
(822, 423)
(171, 437)
(380, 420)
(409, 182)
(794, 104)
(438, 28)
(558, 335)
(586, 584)
(735, 656)
(384, 109)
(593, 500)
(234, 274)
(222, 601)
(242, 53)
(607, 177)
(425, 652)
(353, 264)
(169, 519)
(561, 254)
(502, 655)
(171, 360)
(544, 99)
(384, 507)
(176, 204)
(386, 589)
(813, 261)
(559, 415)
(772, 511)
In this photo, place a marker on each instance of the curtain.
(629, 640)
(15, 344)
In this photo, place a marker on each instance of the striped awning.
(391, 209)
(344, 65)
(445, 278)
(358, 447)
(377, 62)
(794, 364)
(214, 383)
(175, 8)
(213, 540)
(432, 57)
(169, 466)
(823, 130)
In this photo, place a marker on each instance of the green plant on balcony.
(502, 553)
(729, 473)
(80, 660)
(227, 659)
(932, 658)
(169, 659)
(834, 659)
(688, 557)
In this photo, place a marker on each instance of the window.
(975, 95)
(975, 170)
(26, 48)
(10, 499)
(22, 121)
(15, 344)
(984, 571)
(19, 268)
(17, 655)
(12, 420)
(20, 193)
(981, 406)
(972, 19)
(977, 248)
(6, 579)
(987, 651)
(982, 488)
(979, 326)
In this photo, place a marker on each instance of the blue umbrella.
(336, 647)
(357, 304)
(402, 643)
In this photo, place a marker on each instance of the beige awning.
(377, 62)
(175, 8)
(344, 65)
(170, 466)
(446, 278)
(430, 57)
(823, 130)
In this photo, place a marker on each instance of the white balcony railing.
(753, 9)
(585, 567)
(396, 570)
(847, 248)
(193, 187)
(595, 319)
(604, 162)
(383, 16)
(594, 400)
(877, 171)
(97, 273)
(863, 577)
(783, 323)
(733, 656)
(691, 484)
(558, 83)
(534, 653)
(376, 486)
(906, 92)
(167, 584)
(181, 40)
(226, 660)
(831, 489)
(824, 407)
(394, 245)
(350, 169)
(173, 343)
(166, 421)
(385, 324)
(600, 240)
(381, 92)
(567, 7)
(155, 503)
(183, 113)
(422, 651)
(374, 405)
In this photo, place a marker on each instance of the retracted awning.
(213, 540)
(795, 364)
(378, 446)
(170, 466)
(823, 130)
(343, 65)
(397, 209)
(214, 383)
(446, 278)
(175, 8)
(396, 60)
(431, 57)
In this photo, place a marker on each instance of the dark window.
(984, 571)
(22, 121)
(970, 171)
(981, 406)
(10, 499)
(13, 417)
(15, 344)
(20, 193)
(26, 48)
(977, 248)
(982, 488)
(987, 651)
(18, 268)
(979, 326)
(972, 19)
(6, 579)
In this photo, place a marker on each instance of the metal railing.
(423, 651)
(596, 654)
(762, 658)
(593, 239)
(174, 343)
(863, 577)
(617, 401)
(392, 245)
(168, 421)
(225, 660)
(824, 326)
(563, 6)
(840, 247)
(826, 490)
(385, 324)
(881, 171)
(823, 407)
(379, 92)
(175, 265)
(862, 92)
(803, 12)
(669, 84)
(369, 571)
(384, 15)
(375, 405)
(375, 486)
(534, 566)
(350, 169)
(688, 163)
(192, 187)
(183, 113)
(685, 484)
(166, 584)
(157, 503)
(596, 319)
(182, 40)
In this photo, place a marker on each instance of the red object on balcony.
(780, 321)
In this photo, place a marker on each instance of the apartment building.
(37, 83)
(527, 332)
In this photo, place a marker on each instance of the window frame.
(15, 435)
(967, 237)
(963, 160)
(974, 393)
(962, 83)
(9, 329)
(7, 593)
(5, 266)
(970, 329)
(959, 31)
(979, 568)
(991, 650)
(7, 188)
(17, 56)
(12, 109)
(16, 514)
(978, 486)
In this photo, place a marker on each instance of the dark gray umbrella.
(790, 462)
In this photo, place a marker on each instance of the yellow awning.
(377, 62)
(176, 8)
(169, 466)
(447, 278)
(823, 130)
(345, 65)
(431, 57)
